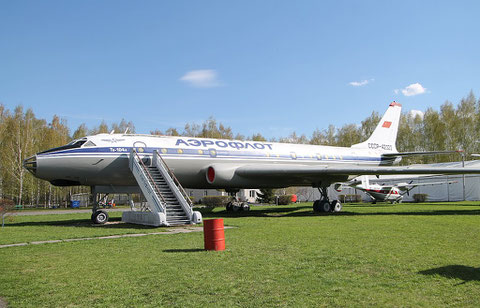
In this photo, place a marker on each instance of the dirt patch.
(3, 303)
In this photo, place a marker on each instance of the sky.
(269, 67)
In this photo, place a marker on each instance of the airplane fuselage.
(103, 160)
(383, 193)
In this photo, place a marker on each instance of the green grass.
(422, 255)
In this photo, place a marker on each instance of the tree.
(349, 134)
(123, 127)
(434, 134)
(369, 125)
(101, 129)
(81, 131)
(294, 138)
(172, 132)
(466, 117)
(265, 195)
(191, 130)
(156, 132)
(258, 137)
(19, 145)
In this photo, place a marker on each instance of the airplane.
(102, 162)
(391, 193)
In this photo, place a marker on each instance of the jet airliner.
(102, 161)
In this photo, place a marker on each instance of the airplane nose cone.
(31, 164)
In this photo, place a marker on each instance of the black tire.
(100, 217)
(237, 207)
(229, 207)
(316, 206)
(336, 206)
(325, 206)
(245, 207)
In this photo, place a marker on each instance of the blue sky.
(272, 67)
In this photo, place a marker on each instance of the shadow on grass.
(268, 212)
(306, 211)
(465, 273)
(114, 223)
(184, 250)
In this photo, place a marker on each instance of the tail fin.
(365, 182)
(384, 136)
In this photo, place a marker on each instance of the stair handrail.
(149, 176)
(175, 180)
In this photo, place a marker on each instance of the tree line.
(22, 134)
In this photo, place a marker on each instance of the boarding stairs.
(167, 202)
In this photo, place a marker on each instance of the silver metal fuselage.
(103, 160)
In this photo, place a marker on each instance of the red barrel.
(213, 234)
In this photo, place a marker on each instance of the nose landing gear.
(99, 216)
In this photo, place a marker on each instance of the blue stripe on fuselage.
(212, 153)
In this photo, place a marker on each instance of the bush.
(420, 197)
(284, 200)
(215, 201)
(6, 205)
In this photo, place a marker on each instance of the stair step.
(182, 222)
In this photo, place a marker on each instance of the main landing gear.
(235, 205)
(323, 205)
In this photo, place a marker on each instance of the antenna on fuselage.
(111, 133)
(126, 130)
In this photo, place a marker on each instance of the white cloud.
(360, 83)
(201, 78)
(413, 113)
(411, 90)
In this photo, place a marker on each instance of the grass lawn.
(422, 255)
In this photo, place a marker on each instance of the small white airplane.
(389, 193)
(102, 162)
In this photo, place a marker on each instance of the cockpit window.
(89, 144)
(72, 145)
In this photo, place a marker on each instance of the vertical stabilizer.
(365, 182)
(384, 136)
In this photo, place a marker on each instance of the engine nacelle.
(220, 175)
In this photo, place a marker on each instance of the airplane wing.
(411, 186)
(420, 153)
(281, 170)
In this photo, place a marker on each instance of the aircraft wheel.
(316, 206)
(336, 206)
(325, 206)
(229, 207)
(100, 217)
(236, 207)
(245, 207)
